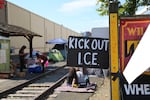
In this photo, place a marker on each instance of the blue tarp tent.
(57, 41)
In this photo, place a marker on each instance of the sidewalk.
(103, 91)
(79, 95)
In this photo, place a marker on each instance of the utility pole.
(114, 56)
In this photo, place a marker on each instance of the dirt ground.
(103, 91)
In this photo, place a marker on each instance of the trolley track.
(37, 88)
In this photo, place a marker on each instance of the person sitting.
(78, 77)
(72, 79)
(82, 75)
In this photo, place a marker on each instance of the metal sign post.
(114, 58)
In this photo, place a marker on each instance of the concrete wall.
(3, 15)
(38, 24)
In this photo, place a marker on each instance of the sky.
(77, 15)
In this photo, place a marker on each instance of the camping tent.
(59, 42)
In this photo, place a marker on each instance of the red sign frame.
(2, 4)
(131, 32)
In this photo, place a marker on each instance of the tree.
(126, 9)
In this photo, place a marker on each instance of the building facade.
(15, 15)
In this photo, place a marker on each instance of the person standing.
(21, 58)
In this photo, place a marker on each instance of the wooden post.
(114, 58)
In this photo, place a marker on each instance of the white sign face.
(140, 60)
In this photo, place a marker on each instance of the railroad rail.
(37, 88)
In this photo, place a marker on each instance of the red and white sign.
(139, 58)
(2, 4)
(131, 33)
(134, 58)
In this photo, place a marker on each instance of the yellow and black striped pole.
(114, 56)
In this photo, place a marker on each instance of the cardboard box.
(21, 74)
(4, 75)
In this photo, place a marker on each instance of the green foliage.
(127, 9)
(104, 7)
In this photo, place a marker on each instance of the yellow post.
(114, 58)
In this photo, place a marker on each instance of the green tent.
(55, 55)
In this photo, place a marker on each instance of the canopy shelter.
(57, 41)
(13, 30)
